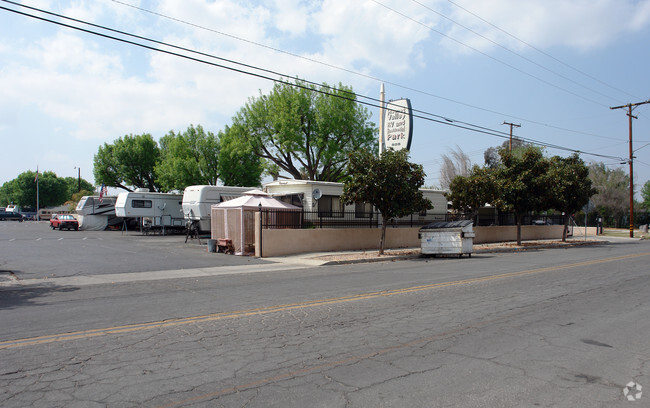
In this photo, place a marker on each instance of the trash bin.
(212, 245)
(447, 238)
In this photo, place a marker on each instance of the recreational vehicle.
(197, 201)
(95, 214)
(154, 210)
(44, 214)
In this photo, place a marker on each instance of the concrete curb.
(387, 258)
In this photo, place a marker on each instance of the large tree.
(390, 183)
(613, 187)
(238, 163)
(74, 183)
(522, 183)
(307, 131)
(645, 194)
(571, 187)
(21, 191)
(493, 158)
(128, 163)
(469, 193)
(188, 158)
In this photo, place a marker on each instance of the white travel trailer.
(197, 201)
(154, 210)
(95, 214)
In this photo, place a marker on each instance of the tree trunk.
(382, 240)
(519, 217)
(566, 223)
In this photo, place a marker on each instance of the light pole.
(78, 178)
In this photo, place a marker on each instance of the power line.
(443, 120)
(541, 51)
(489, 56)
(512, 51)
(416, 90)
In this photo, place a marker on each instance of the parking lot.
(31, 250)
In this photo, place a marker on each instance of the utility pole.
(630, 107)
(382, 96)
(511, 126)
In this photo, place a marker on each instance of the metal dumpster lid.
(447, 224)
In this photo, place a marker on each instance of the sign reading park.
(398, 126)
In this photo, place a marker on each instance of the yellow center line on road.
(85, 334)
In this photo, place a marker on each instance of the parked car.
(64, 221)
(11, 216)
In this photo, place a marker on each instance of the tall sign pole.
(382, 96)
(630, 107)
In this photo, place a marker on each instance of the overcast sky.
(553, 66)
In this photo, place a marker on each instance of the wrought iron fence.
(280, 219)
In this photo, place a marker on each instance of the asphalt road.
(549, 328)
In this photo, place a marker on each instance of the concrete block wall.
(281, 242)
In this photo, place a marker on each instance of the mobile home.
(155, 210)
(95, 214)
(324, 198)
(197, 201)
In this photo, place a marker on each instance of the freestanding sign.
(398, 125)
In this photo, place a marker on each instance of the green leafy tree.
(22, 190)
(6, 193)
(308, 132)
(128, 163)
(469, 193)
(645, 194)
(492, 157)
(521, 183)
(188, 158)
(238, 163)
(390, 183)
(73, 184)
(570, 185)
(613, 185)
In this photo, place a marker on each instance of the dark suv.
(11, 216)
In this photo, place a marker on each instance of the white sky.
(65, 92)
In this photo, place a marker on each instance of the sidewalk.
(350, 257)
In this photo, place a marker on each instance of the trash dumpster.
(447, 238)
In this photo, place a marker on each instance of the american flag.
(102, 192)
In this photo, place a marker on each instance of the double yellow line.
(86, 334)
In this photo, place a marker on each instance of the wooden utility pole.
(630, 107)
(511, 126)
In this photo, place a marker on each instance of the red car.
(64, 221)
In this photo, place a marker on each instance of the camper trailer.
(197, 201)
(153, 210)
(95, 214)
